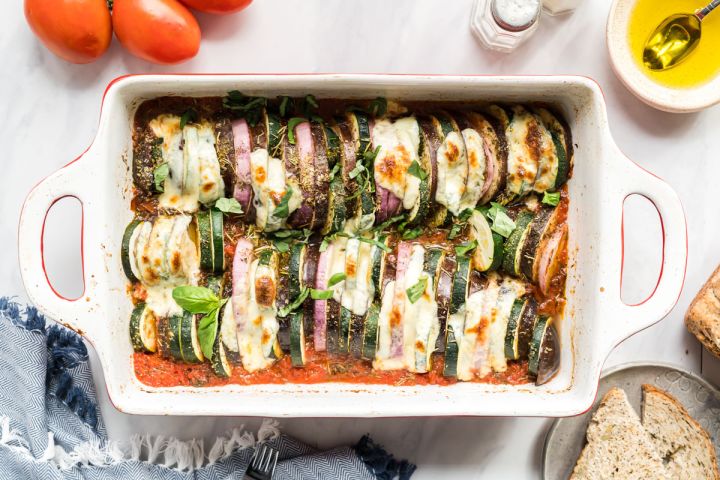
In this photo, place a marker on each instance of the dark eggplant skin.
(321, 187)
(442, 296)
(549, 356)
(528, 317)
(355, 342)
(312, 255)
(492, 131)
(429, 129)
(348, 161)
(303, 173)
(333, 328)
(225, 149)
(540, 226)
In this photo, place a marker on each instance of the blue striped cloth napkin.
(51, 428)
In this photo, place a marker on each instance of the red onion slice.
(320, 309)
(404, 251)
(243, 183)
(305, 175)
(548, 258)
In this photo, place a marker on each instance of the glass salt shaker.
(558, 7)
(504, 24)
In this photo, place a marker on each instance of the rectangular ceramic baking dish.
(595, 321)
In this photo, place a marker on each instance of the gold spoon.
(675, 38)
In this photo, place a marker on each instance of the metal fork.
(262, 464)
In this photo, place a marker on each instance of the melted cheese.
(269, 186)
(337, 266)
(383, 360)
(524, 137)
(452, 169)
(228, 329)
(420, 320)
(399, 143)
(474, 348)
(364, 290)
(181, 253)
(151, 259)
(476, 169)
(509, 290)
(159, 299)
(138, 240)
(257, 331)
(548, 168)
(212, 185)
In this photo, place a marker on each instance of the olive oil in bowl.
(700, 67)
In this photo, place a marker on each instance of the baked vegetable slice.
(378, 266)
(544, 354)
(143, 329)
(489, 251)
(296, 269)
(543, 224)
(203, 224)
(184, 344)
(127, 253)
(512, 336)
(458, 297)
(297, 340)
(514, 244)
(370, 332)
(337, 212)
(562, 142)
(321, 178)
(218, 241)
(220, 362)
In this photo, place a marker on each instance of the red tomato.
(78, 31)
(217, 6)
(160, 31)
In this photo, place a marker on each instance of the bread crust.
(703, 316)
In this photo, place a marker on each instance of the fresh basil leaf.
(195, 299)
(502, 224)
(160, 173)
(283, 208)
(295, 304)
(375, 242)
(337, 278)
(207, 333)
(494, 209)
(292, 123)
(356, 171)
(281, 246)
(288, 234)
(371, 155)
(455, 230)
(416, 171)
(463, 249)
(412, 234)
(311, 101)
(285, 104)
(250, 108)
(551, 199)
(378, 107)
(465, 214)
(416, 291)
(228, 205)
(321, 294)
(189, 116)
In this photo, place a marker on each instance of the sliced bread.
(617, 445)
(683, 444)
(703, 316)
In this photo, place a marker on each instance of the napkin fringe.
(381, 463)
(169, 452)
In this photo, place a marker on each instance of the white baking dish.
(596, 319)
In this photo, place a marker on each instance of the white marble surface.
(50, 109)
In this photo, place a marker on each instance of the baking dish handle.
(630, 319)
(66, 182)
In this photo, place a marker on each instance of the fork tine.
(276, 454)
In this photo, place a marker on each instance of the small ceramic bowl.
(679, 100)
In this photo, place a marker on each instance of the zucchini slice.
(442, 295)
(204, 235)
(356, 335)
(458, 297)
(452, 344)
(544, 355)
(297, 340)
(461, 284)
(332, 325)
(321, 177)
(189, 341)
(562, 141)
(370, 332)
(512, 336)
(218, 241)
(514, 244)
(421, 210)
(336, 196)
(360, 127)
(220, 362)
(433, 261)
(528, 319)
(215, 284)
(484, 256)
(378, 266)
(127, 251)
(174, 324)
(143, 329)
(296, 269)
(345, 322)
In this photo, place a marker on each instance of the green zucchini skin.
(514, 244)
(220, 362)
(356, 335)
(512, 335)
(138, 318)
(421, 210)
(452, 351)
(499, 248)
(125, 250)
(205, 240)
(461, 284)
(528, 320)
(174, 335)
(378, 267)
(296, 266)
(335, 342)
(345, 323)
(218, 241)
(297, 340)
(541, 225)
(189, 344)
(543, 350)
(370, 332)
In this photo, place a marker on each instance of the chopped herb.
(465, 215)
(288, 233)
(283, 208)
(292, 123)
(463, 249)
(321, 294)
(311, 101)
(494, 209)
(370, 155)
(375, 242)
(378, 107)
(455, 230)
(281, 246)
(285, 105)
(389, 222)
(551, 199)
(502, 224)
(250, 108)
(295, 304)
(327, 240)
(357, 170)
(337, 278)
(160, 173)
(412, 234)
(190, 116)
(416, 291)
(334, 172)
(416, 171)
(228, 205)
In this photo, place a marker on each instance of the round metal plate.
(566, 436)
